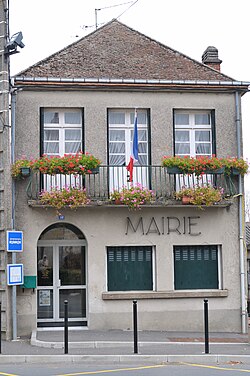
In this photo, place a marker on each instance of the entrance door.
(61, 272)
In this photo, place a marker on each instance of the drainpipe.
(13, 122)
(241, 232)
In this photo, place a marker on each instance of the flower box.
(93, 170)
(174, 170)
(25, 171)
(235, 171)
(217, 171)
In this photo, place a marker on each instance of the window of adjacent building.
(196, 267)
(121, 125)
(62, 131)
(130, 268)
(193, 133)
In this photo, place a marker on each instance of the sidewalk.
(116, 346)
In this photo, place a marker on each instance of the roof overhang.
(125, 84)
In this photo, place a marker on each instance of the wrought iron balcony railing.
(99, 186)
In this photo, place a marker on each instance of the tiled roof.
(117, 51)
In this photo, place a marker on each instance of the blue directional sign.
(14, 274)
(14, 241)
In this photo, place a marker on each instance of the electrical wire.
(127, 9)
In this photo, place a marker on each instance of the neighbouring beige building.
(167, 256)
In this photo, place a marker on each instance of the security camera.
(14, 42)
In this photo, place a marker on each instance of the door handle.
(59, 283)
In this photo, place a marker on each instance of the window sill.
(164, 294)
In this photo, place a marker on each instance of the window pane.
(45, 266)
(72, 118)
(76, 302)
(202, 135)
(142, 148)
(51, 135)
(202, 119)
(117, 160)
(51, 147)
(182, 149)
(51, 117)
(117, 147)
(143, 160)
(72, 147)
(116, 117)
(117, 135)
(203, 148)
(71, 265)
(181, 135)
(45, 304)
(141, 117)
(73, 134)
(142, 135)
(181, 119)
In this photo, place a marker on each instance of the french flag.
(134, 150)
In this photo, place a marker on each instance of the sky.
(188, 26)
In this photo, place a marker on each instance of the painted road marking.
(215, 367)
(112, 370)
(7, 374)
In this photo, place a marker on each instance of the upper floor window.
(121, 125)
(62, 131)
(193, 133)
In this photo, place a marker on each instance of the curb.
(125, 359)
(121, 344)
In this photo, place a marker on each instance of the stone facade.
(102, 226)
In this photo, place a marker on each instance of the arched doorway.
(61, 275)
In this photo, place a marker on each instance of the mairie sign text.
(163, 226)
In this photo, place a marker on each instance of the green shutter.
(129, 268)
(196, 267)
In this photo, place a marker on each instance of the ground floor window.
(196, 267)
(129, 268)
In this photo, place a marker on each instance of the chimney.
(211, 59)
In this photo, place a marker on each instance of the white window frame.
(128, 127)
(61, 127)
(192, 127)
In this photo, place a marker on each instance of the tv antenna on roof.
(111, 6)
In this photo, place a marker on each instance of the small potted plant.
(200, 195)
(71, 197)
(20, 168)
(115, 197)
(235, 166)
(134, 197)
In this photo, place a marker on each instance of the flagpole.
(134, 150)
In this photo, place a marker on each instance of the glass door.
(61, 274)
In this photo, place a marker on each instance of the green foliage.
(134, 196)
(68, 164)
(201, 195)
(71, 197)
(200, 165)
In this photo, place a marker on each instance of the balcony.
(100, 185)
